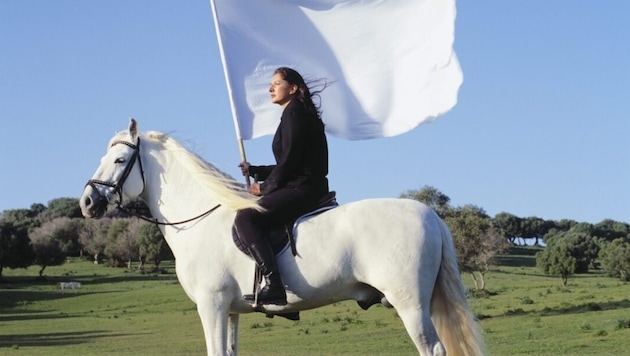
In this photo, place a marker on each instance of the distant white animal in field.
(69, 285)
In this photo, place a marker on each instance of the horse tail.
(455, 323)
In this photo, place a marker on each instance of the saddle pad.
(280, 236)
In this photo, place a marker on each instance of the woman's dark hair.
(303, 94)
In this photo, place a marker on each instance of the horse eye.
(119, 160)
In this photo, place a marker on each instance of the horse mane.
(226, 189)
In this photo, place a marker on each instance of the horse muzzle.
(93, 205)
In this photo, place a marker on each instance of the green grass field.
(119, 312)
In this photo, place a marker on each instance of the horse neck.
(172, 193)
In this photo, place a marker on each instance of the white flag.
(391, 62)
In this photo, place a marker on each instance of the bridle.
(118, 186)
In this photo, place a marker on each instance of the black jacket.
(301, 152)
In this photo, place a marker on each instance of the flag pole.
(237, 128)
(241, 149)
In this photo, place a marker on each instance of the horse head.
(119, 176)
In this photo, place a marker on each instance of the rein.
(119, 185)
(155, 221)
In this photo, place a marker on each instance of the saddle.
(282, 236)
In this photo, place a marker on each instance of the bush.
(623, 324)
(615, 259)
(527, 300)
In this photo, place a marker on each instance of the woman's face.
(280, 90)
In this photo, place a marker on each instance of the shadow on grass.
(586, 307)
(22, 315)
(527, 273)
(524, 250)
(565, 309)
(20, 297)
(133, 278)
(55, 339)
(26, 282)
(516, 261)
(518, 256)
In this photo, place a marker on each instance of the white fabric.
(391, 61)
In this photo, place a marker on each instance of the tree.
(610, 230)
(432, 197)
(116, 228)
(507, 225)
(152, 245)
(583, 228)
(476, 241)
(66, 230)
(122, 247)
(15, 246)
(557, 259)
(22, 219)
(615, 258)
(492, 244)
(584, 247)
(564, 224)
(37, 208)
(535, 228)
(93, 237)
(62, 207)
(568, 252)
(48, 243)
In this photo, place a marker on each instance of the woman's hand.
(254, 189)
(244, 168)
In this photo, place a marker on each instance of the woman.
(291, 187)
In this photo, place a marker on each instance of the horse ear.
(133, 128)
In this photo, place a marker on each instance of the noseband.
(118, 186)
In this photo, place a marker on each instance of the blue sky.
(541, 127)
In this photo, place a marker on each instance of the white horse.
(394, 251)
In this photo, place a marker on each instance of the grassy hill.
(120, 312)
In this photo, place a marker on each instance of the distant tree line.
(47, 235)
(570, 247)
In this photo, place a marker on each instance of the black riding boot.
(273, 292)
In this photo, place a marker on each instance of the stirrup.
(266, 301)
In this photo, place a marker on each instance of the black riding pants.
(281, 206)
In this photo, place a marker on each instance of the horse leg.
(232, 340)
(417, 320)
(411, 297)
(214, 320)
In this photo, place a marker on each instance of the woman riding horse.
(291, 187)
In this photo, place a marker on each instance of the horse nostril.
(87, 201)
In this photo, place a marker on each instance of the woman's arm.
(260, 172)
